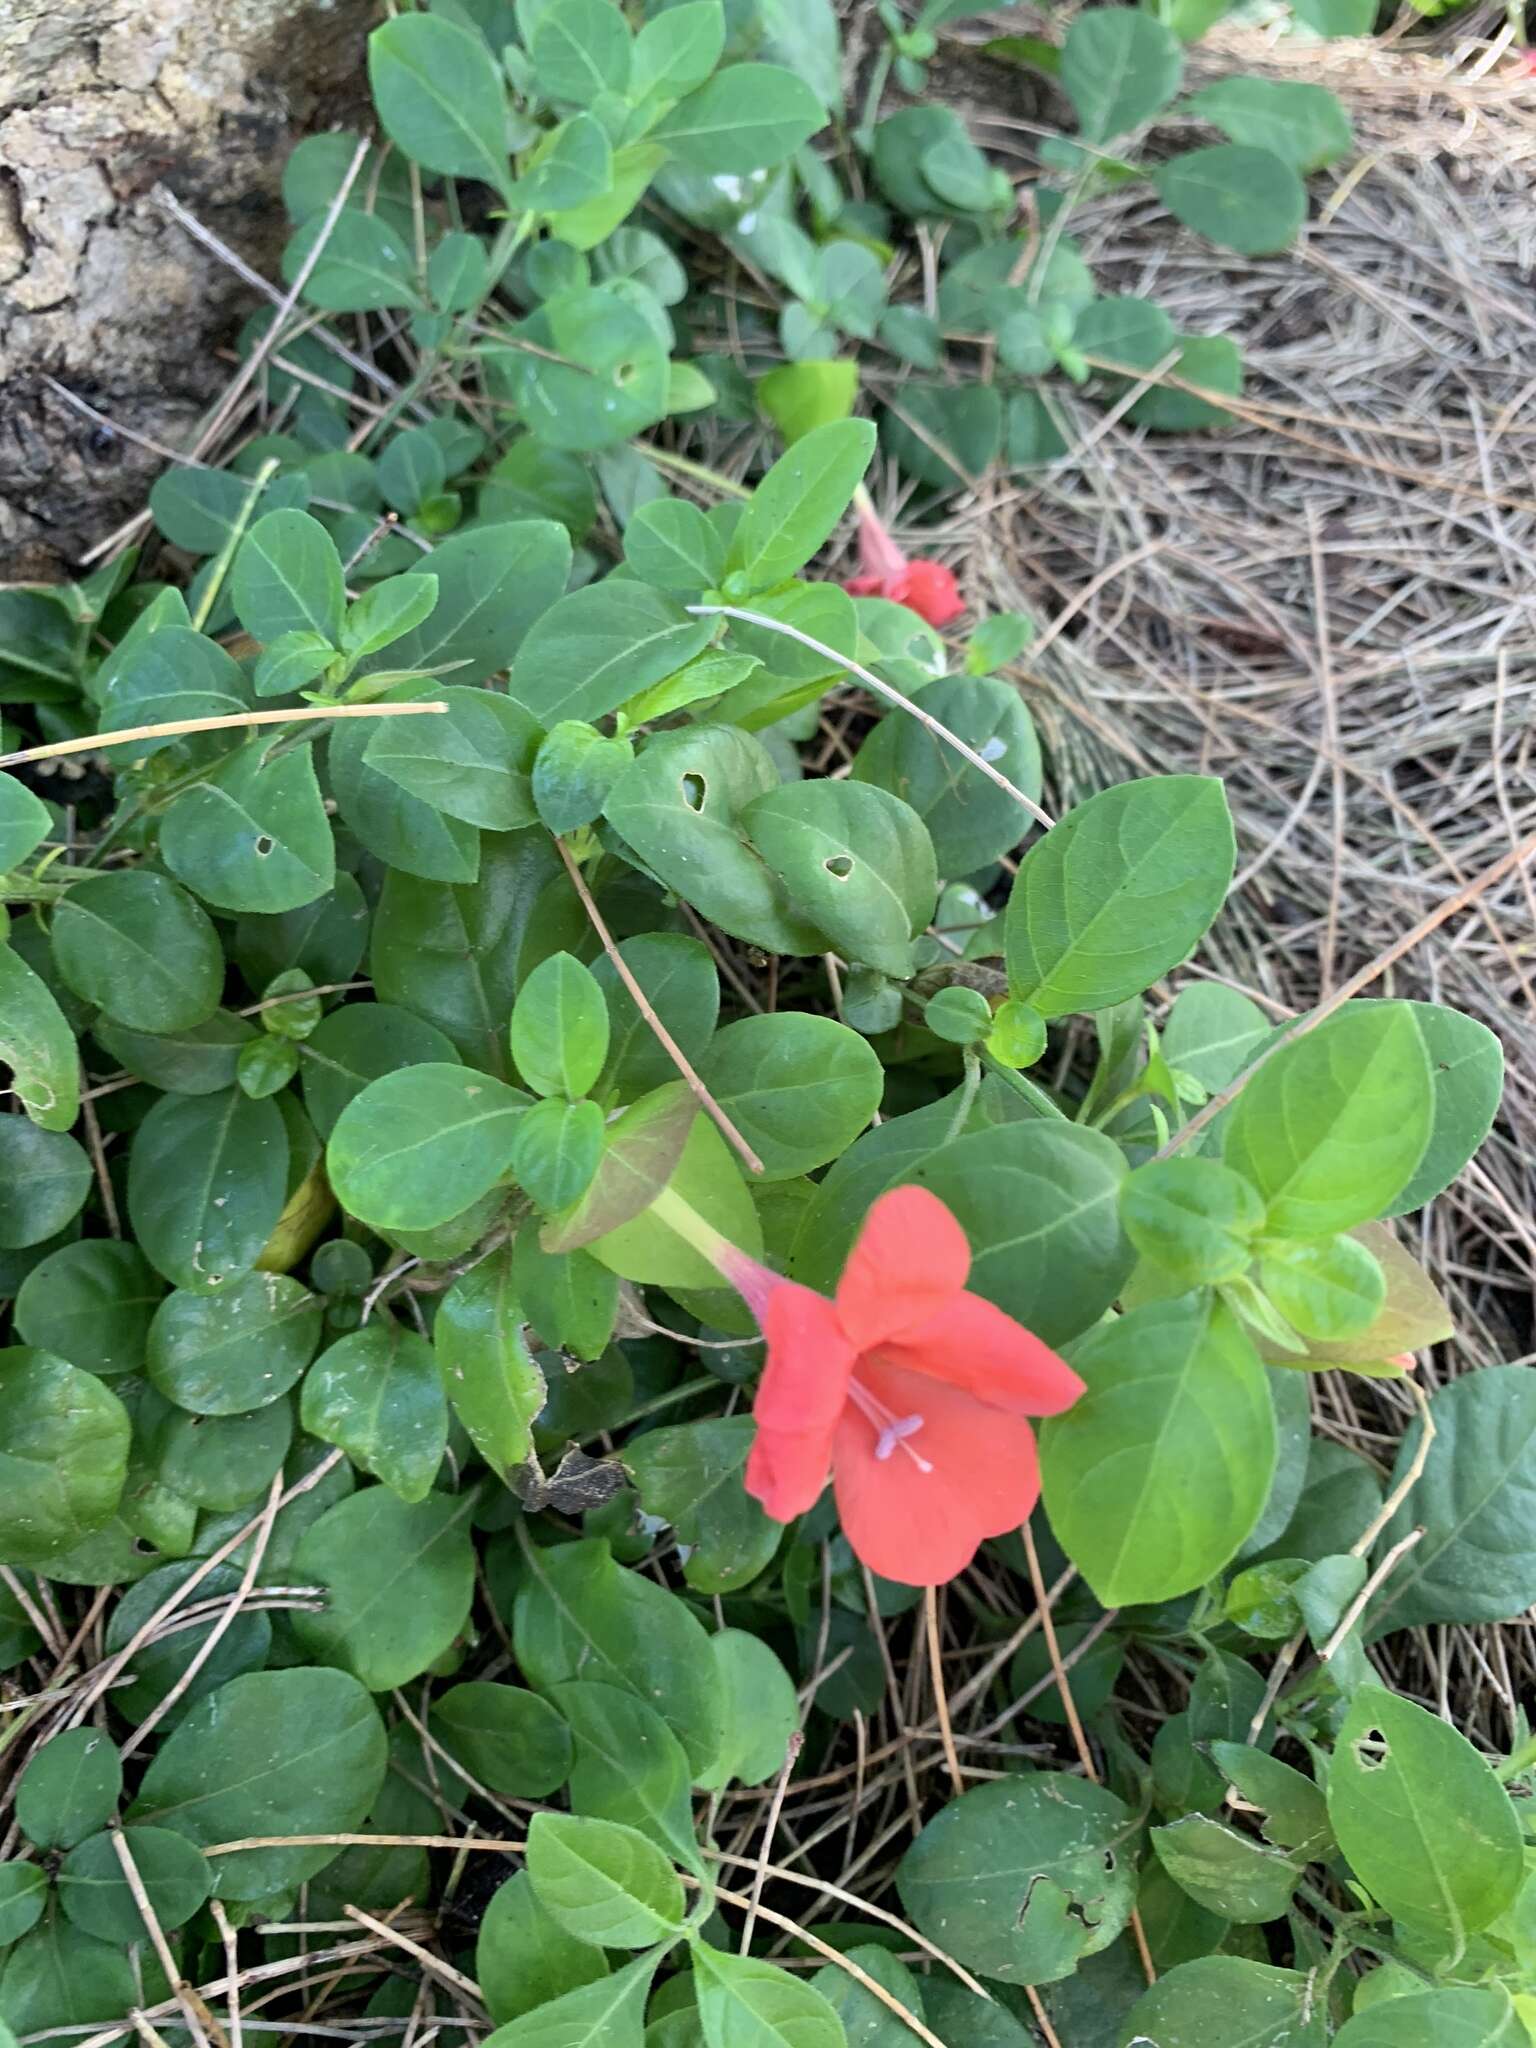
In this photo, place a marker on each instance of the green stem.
(226, 553)
(698, 472)
(1031, 1091)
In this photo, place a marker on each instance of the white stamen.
(893, 1432)
(894, 1429)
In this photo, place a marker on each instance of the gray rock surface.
(101, 102)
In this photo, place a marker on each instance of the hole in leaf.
(839, 865)
(1371, 1750)
(623, 373)
(694, 792)
(265, 843)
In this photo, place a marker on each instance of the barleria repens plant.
(463, 1009)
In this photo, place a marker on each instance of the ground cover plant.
(551, 1026)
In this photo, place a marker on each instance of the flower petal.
(805, 1381)
(910, 1260)
(921, 1528)
(933, 593)
(786, 1470)
(879, 556)
(972, 1344)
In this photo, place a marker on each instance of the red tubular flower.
(927, 588)
(910, 1392)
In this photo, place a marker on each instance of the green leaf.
(679, 808)
(1134, 333)
(573, 771)
(580, 1615)
(363, 266)
(473, 761)
(1295, 1812)
(399, 829)
(572, 168)
(45, 1177)
(507, 1737)
(1023, 1878)
(592, 369)
(492, 583)
(646, 1249)
(23, 1893)
(1338, 17)
(969, 819)
(854, 859)
(89, 1303)
(745, 2003)
(25, 822)
(676, 51)
(494, 1386)
(1226, 1872)
(629, 1767)
(440, 97)
(227, 1354)
(255, 835)
(1464, 2016)
(419, 1145)
(300, 1751)
(598, 646)
(580, 50)
(1195, 1218)
(207, 1180)
(1209, 362)
(399, 1578)
(557, 1151)
(58, 1977)
(762, 1711)
(799, 1088)
(1303, 125)
(1228, 2002)
(1117, 893)
(799, 502)
(945, 434)
(1332, 1126)
(378, 1393)
(1426, 1826)
(604, 1883)
(163, 1664)
(356, 1045)
(287, 579)
(1211, 1032)
(1466, 1064)
(1240, 198)
(800, 397)
(223, 1461)
(70, 1788)
(524, 1959)
(1172, 1388)
(671, 545)
(560, 1028)
(95, 1893)
(1331, 1289)
(867, 2021)
(1118, 68)
(37, 1045)
(747, 117)
(690, 1477)
(385, 613)
(1476, 1501)
(139, 947)
(607, 2014)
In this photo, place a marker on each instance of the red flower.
(927, 588)
(911, 1392)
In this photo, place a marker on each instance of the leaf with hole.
(254, 835)
(37, 1045)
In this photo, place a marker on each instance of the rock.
(100, 289)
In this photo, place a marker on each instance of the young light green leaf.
(385, 613)
(37, 1045)
(494, 1386)
(418, 1145)
(799, 502)
(757, 2005)
(441, 98)
(378, 1394)
(138, 946)
(1331, 1289)
(399, 1578)
(1172, 1387)
(1118, 68)
(560, 1028)
(1466, 1064)
(287, 579)
(604, 1883)
(1196, 1219)
(1117, 893)
(1426, 1826)
(1333, 1125)
(671, 545)
(607, 2014)
(525, 1960)
(557, 1150)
